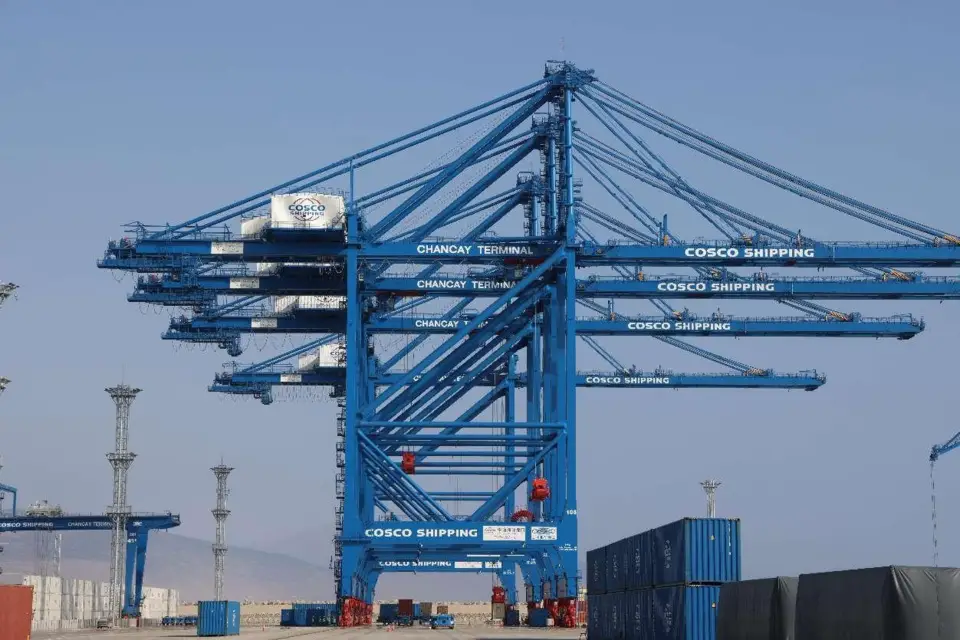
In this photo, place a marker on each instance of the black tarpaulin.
(757, 609)
(884, 603)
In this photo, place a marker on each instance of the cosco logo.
(388, 533)
(712, 252)
(306, 209)
(649, 326)
(682, 286)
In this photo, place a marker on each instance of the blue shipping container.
(684, 613)
(638, 615)
(639, 552)
(616, 566)
(613, 609)
(389, 612)
(696, 550)
(538, 617)
(597, 571)
(286, 617)
(218, 618)
(300, 617)
(594, 615)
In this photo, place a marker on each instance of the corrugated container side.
(218, 618)
(594, 615)
(639, 559)
(696, 550)
(426, 609)
(638, 622)
(614, 609)
(405, 607)
(684, 613)
(16, 612)
(286, 617)
(233, 618)
(597, 571)
(616, 566)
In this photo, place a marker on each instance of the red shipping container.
(16, 612)
(404, 608)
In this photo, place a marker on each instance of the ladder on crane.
(935, 453)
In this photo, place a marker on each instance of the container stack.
(762, 609)
(896, 602)
(662, 584)
(321, 614)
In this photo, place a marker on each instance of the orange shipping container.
(16, 612)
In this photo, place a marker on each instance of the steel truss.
(422, 335)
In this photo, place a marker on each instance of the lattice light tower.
(221, 471)
(710, 487)
(120, 459)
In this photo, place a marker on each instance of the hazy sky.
(117, 111)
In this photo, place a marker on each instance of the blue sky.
(117, 111)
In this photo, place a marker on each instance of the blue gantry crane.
(454, 293)
(138, 528)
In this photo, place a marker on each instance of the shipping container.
(388, 612)
(696, 550)
(16, 612)
(616, 559)
(902, 603)
(443, 608)
(405, 608)
(597, 571)
(612, 610)
(219, 618)
(300, 617)
(638, 615)
(538, 617)
(639, 559)
(684, 613)
(426, 609)
(307, 211)
(594, 619)
(253, 226)
(511, 618)
(286, 617)
(757, 609)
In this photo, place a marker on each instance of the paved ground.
(368, 633)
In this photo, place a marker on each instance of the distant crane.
(710, 487)
(935, 452)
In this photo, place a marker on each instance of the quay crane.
(315, 255)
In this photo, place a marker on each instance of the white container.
(284, 304)
(320, 302)
(307, 211)
(253, 226)
(328, 355)
(289, 304)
